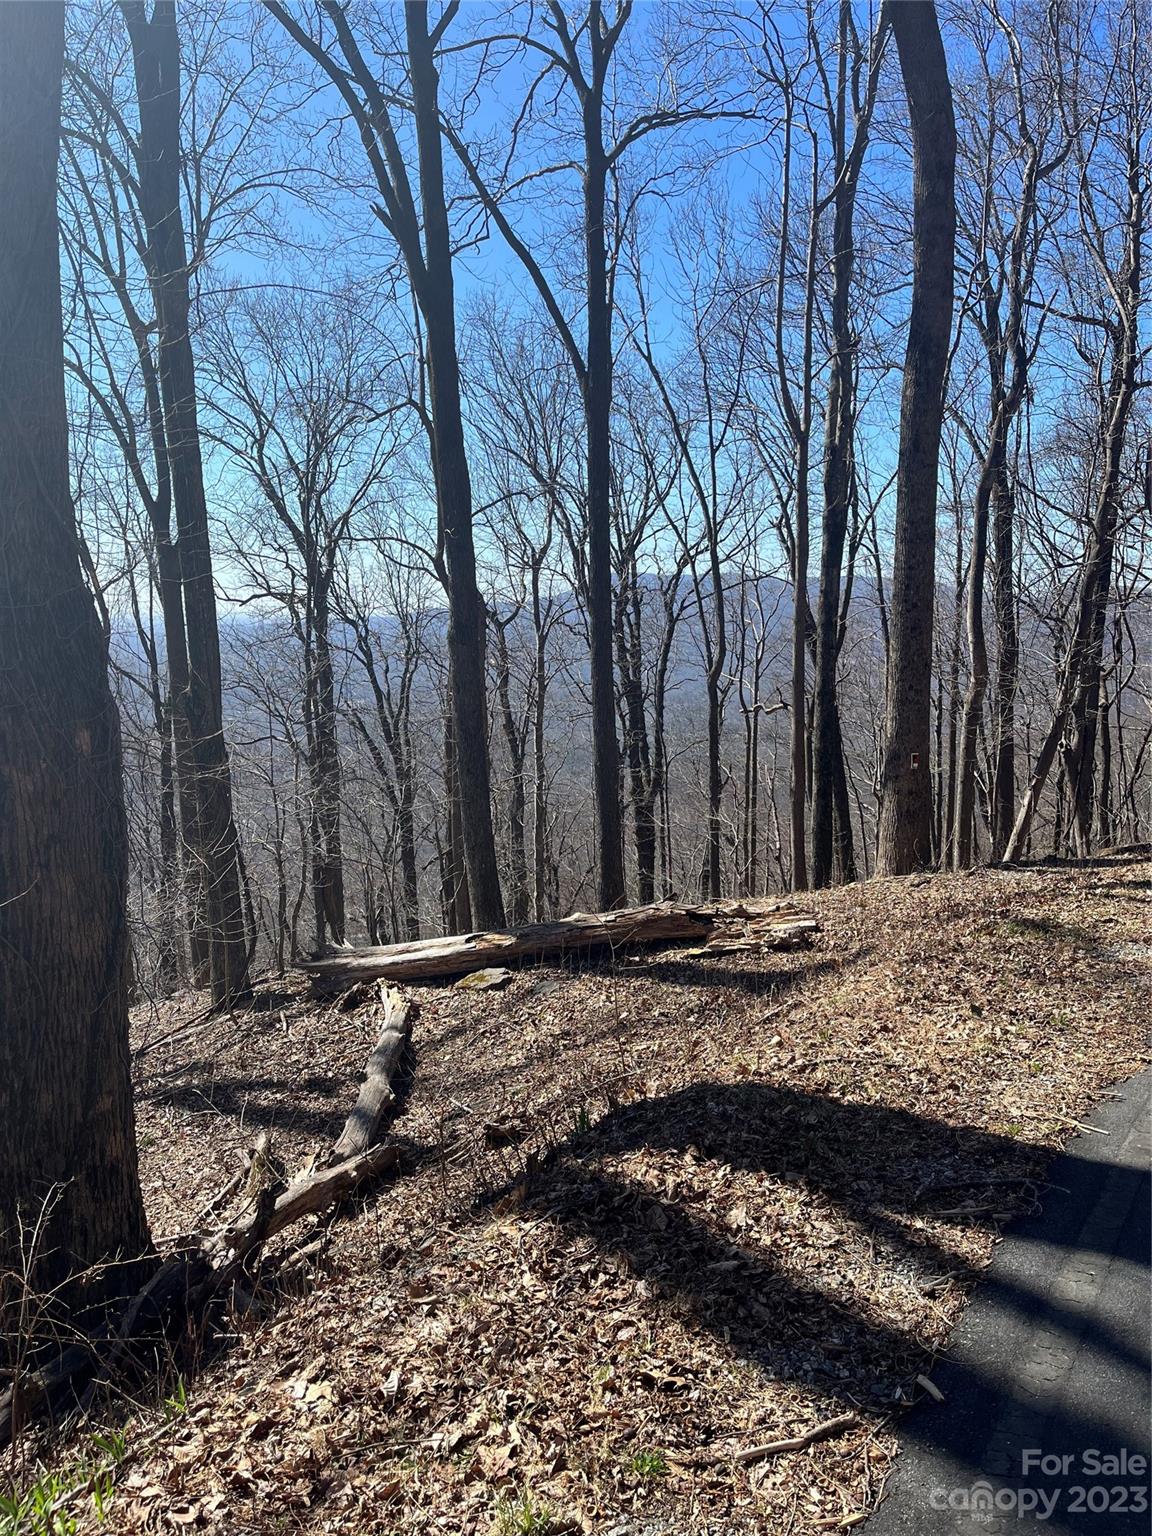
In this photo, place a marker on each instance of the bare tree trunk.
(324, 769)
(453, 486)
(1103, 802)
(70, 1192)
(156, 60)
(406, 835)
(1077, 699)
(539, 765)
(938, 743)
(515, 745)
(597, 411)
(905, 838)
(1007, 666)
(954, 692)
(425, 244)
(1075, 717)
(832, 856)
(637, 750)
(454, 881)
(169, 937)
(963, 847)
(798, 712)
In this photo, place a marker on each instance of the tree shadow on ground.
(1122, 858)
(271, 1103)
(1052, 928)
(767, 981)
(870, 1160)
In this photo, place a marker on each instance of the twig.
(752, 1453)
(1052, 1114)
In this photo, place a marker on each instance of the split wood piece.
(377, 1098)
(752, 1453)
(778, 925)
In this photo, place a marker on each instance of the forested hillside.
(575, 749)
(646, 495)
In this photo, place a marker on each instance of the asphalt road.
(1045, 1423)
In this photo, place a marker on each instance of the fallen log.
(377, 1098)
(309, 1195)
(185, 1284)
(771, 925)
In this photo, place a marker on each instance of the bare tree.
(424, 241)
(1005, 227)
(853, 92)
(791, 234)
(389, 624)
(714, 473)
(303, 403)
(905, 837)
(1113, 124)
(156, 61)
(582, 52)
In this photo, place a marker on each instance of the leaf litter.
(652, 1217)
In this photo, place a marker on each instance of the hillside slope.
(649, 1215)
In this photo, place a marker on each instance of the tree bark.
(323, 766)
(454, 877)
(905, 836)
(597, 384)
(377, 1097)
(769, 925)
(1007, 665)
(156, 61)
(832, 856)
(453, 484)
(637, 749)
(69, 1190)
(964, 822)
(516, 745)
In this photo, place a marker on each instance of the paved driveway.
(1045, 1423)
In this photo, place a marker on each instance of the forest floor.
(733, 1198)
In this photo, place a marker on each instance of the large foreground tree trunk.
(156, 61)
(69, 1190)
(905, 839)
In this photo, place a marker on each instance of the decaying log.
(377, 1097)
(309, 1195)
(185, 1283)
(773, 925)
(33, 1395)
